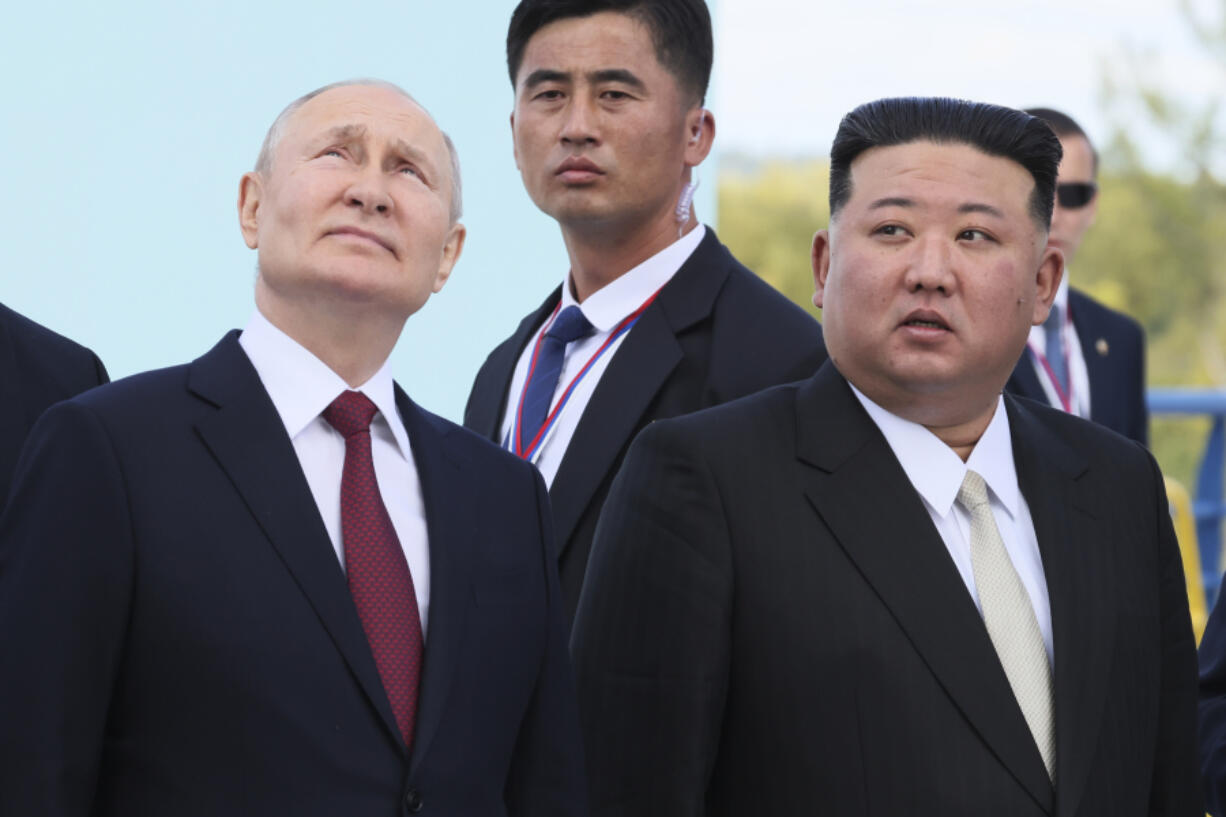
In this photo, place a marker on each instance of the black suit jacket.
(37, 368)
(1212, 734)
(772, 625)
(716, 332)
(178, 637)
(1113, 346)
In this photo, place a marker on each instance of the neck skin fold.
(352, 339)
(600, 255)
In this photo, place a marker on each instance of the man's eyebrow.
(622, 75)
(979, 207)
(344, 133)
(416, 154)
(543, 75)
(892, 201)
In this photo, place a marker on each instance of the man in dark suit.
(37, 368)
(609, 125)
(266, 582)
(1086, 359)
(890, 589)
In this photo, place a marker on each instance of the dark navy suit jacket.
(716, 332)
(178, 638)
(37, 368)
(1113, 346)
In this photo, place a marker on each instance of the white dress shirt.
(604, 309)
(301, 387)
(1078, 375)
(936, 473)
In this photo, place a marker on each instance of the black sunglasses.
(1075, 195)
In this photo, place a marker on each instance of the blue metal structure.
(1209, 506)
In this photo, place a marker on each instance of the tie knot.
(350, 413)
(974, 491)
(570, 325)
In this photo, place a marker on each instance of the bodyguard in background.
(890, 589)
(37, 368)
(654, 317)
(1086, 358)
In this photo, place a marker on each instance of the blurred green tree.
(768, 213)
(1158, 250)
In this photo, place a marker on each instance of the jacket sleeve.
(66, 573)
(652, 636)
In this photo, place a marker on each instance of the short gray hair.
(263, 162)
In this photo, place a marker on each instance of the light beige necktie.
(1010, 619)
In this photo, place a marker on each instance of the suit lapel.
(639, 370)
(640, 367)
(1089, 333)
(487, 403)
(904, 559)
(1080, 584)
(247, 438)
(449, 529)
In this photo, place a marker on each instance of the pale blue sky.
(127, 126)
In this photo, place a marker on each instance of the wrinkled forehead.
(371, 111)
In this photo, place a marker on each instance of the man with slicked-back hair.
(892, 589)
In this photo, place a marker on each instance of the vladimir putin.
(259, 584)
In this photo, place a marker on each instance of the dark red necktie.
(378, 574)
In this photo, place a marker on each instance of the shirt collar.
(936, 471)
(302, 386)
(612, 303)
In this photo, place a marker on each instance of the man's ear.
(820, 258)
(451, 254)
(514, 143)
(250, 194)
(699, 134)
(1047, 282)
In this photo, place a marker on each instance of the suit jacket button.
(412, 801)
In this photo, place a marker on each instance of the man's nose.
(369, 191)
(931, 266)
(579, 128)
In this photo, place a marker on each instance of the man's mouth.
(357, 232)
(578, 169)
(925, 319)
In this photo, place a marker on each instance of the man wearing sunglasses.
(1085, 359)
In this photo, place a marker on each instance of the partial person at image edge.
(38, 367)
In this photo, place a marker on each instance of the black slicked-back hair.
(680, 31)
(993, 129)
(1066, 126)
